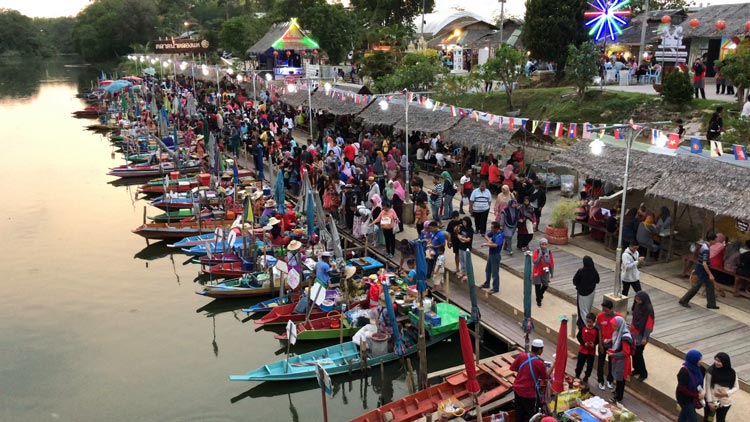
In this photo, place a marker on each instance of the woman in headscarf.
(502, 201)
(509, 221)
(689, 392)
(645, 235)
(388, 191)
(449, 190)
(641, 328)
(585, 280)
(619, 355)
(721, 383)
(391, 166)
(544, 269)
(509, 175)
(399, 196)
(526, 220)
(378, 167)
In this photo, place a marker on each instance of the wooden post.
(422, 346)
(446, 282)
(144, 214)
(409, 377)
(325, 406)
(477, 336)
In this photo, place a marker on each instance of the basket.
(451, 407)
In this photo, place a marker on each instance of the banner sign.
(180, 45)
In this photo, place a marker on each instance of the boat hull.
(166, 231)
(321, 329)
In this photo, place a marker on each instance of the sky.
(484, 8)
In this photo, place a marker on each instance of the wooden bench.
(609, 239)
(737, 278)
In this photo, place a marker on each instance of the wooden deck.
(677, 329)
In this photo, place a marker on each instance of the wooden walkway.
(677, 329)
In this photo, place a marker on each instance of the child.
(411, 275)
(587, 338)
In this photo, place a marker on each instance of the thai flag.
(696, 147)
(654, 136)
(559, 130)
(739, 152)
(586, 130)
(618, 135)
(545, 131)
(572, 131)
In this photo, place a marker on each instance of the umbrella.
(279, 194)
(475, 315)
(149, 71)
(561, 358)
(132, 78)
(398, 344)
(421, 275)
(472, 385)
(118, 85)
(310, 211)
(527, 324)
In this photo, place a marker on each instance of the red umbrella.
(468, 354)
(561, 358)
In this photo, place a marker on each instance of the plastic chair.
(655, 77)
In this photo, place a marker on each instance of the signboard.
(671, 48)
(324, 381)
(180, 45)
(743, 225)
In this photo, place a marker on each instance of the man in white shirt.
(629, 273)
(746, 109)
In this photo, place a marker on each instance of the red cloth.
(539, 268)
(484, 169)
(605, 326)
(374, 295)
(523, 386)
(350, 152)
(494, 174)
(561, 357)
(587, 335)
(367, 145)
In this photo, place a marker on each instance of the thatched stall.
(424, 120)
(373, 115)
(294, 99)
(472, 134)
(336, 106)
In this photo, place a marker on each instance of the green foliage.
(55, 35)
(677, 88)
(17, 34)
(506, 67)
(736, 68)
(737, 131)
(106, 28)
(580, 68)
(377, 65)
(554, 24)
(240, 32)
(389, 12)
(563, 213)
(283, 10)
(637, 6)
(416, 72)
(333, 27)
(453, 85)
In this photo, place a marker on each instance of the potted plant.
(557, 229)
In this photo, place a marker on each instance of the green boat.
(172, 216)
(328, 327)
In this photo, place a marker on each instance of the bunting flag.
(587, 130)
(654, 136)
(476, 116)
(674, 141)
(523, 124)
(492, 119)
(462, 112)
(739, 152)
(545, 130)
(534, 125)
(559, 130)
(247, 213)
(409, 96)
(500, 122)
(453, 111)
(435, 106)
(573, 131)
(716, 149)
(618, 135)
(511, 124)
(696, 147)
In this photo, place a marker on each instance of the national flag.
(476, 116)
(573, 131)
(696, 147)
(654, 136)
(559, 130)
(409, 96)
(462, 112)
(247, 213)
(523, 124)
(739, 152)
(453, 111)
(545, 130)
(511, 123)
(235, 174)
(586, 131)
(674, 141)
(716, 149)
(435, 106)
(618, 135)
(534, 125)
(492, 119)
(500, 122)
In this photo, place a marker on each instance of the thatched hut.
(472, 134)
(425, 120)
(373, 115)
(294, 99)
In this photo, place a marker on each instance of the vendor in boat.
(289, 219)
(373, 292)
(274, 233)
(269, 208)
(323, 269)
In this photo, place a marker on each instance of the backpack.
(450, 189)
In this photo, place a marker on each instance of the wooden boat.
(215, 247)
(178, 215)
(183, 184)
(337, 359)
(147, 170)
(179, 230)
(218, 258)
(167, 203)
(249, 285)
(322, 328)
(269, 304)
(495, 379)
(193, 240)
(224, 269)
(90, 112)
(282, 314)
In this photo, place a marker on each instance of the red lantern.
(288, 53)
(694, 23)
(747, 26)
(666, 19)
(720, 25)
(315, 52)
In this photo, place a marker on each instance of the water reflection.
(21, 78)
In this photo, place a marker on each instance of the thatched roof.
(701, 182)
(294, 99)
(472, 134)
(335, 105)
(735, 15)
(424, 120)
(373, 115)
(283, 36)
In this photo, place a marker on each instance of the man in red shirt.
(530, 376)
(350, 152)
(606, 329)
(494, 172)
(367, 144)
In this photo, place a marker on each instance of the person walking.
(587, 338)
(605, 326)
(641, 328)
(466, 189)
(544, 269)
(465, 235)
(526, 219)
(585, 280)
(721, 383)
(531, 374)
(630, 275)
(436, 198)
(479, 207)
(509, 223)
(492, 268)
(449, 191)
(705, 276)
(454, 226)
(689, 393)
(538, 200)
(619, 355)
(387, 220)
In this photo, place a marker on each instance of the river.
(99, 326)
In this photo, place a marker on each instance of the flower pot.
(556, 236)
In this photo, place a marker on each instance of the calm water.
(96, 325)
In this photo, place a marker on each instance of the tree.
(389, 12)
(550, 25)
(17, 34)
(377, 65)
(55, 34)
(677, 88)
(736, 68)
(581, 68)
(240, 32)
(416, 72)
(637, 6)
(506, 67)
(453, 85)
(333, 27)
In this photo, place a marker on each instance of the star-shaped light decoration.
(608, 18)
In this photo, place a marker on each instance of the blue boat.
(193, 240)
(338, 359)
(216, 247)
(266, 305)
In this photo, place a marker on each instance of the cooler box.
(174, 175)
(204, 179)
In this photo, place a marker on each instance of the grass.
(561, 105)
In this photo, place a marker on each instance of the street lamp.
(597, 147)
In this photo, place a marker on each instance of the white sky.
(484, 8)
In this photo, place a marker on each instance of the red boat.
(90, 112)
(219, 258)
(173, 187)
(495, 378)
(225, 269)
(282, 314)
(180, 230)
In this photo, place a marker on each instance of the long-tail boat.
(328, 327)
(246, 286)
(180, 230)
